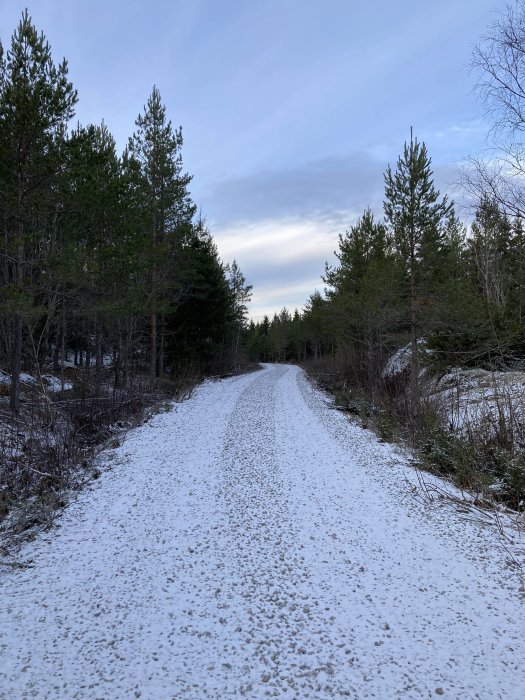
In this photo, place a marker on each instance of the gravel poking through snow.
(251, 542)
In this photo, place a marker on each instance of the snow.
(251, 542)
(400, 360)
(475, 397)
(25, 378)
(51, 382)
(468, 398)
(54, 384)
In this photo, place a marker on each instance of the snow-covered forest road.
(251, 542)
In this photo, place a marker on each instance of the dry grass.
(47, 451)
(470, 428)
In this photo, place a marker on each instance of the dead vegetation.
(468, 425)
(47, 451)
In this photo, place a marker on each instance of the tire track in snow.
(111, 609)
(428, 597)
(288, 648)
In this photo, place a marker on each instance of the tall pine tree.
(36, 102)
(156, 148)
(416, 213)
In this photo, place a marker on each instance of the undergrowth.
(48, 449)
(485, 456)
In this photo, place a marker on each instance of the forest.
(113, 295)
(323, 502)
(415, 274)
(104, 260)
(441, 297)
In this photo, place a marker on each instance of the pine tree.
(36, 102)
(316, 324)
(156, 149)
(92, 249)
(241, 294)
(493, 258)
(414, 210)
(363, 293)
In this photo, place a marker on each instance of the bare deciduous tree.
(499, 62)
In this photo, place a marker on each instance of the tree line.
(418, 275)
(413, 275)
(103, 257)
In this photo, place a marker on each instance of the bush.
(48, 449)
(486, 455)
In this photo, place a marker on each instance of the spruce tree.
(199, 323)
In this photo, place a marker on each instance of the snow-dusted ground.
(476, 397)
(50, 382)
(253, 543)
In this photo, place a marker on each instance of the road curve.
(251, 542)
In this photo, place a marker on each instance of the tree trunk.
(63, 342)
(128, 334)
(153, 317)
(414, 365)
(56, 353)
(16, 363)
(16, 366)
(162, 342)
(153, 348)
(98, 352)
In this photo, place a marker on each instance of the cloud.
(334, 189)
(281, 241)
(283, 259)
(282, 226)
(268, 298)
(324, 188)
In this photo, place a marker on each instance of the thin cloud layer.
(321, 189)
(290, 111)
(283, 226)
(283, 259)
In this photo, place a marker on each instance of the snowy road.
(253, 543)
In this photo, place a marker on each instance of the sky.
(291, 110)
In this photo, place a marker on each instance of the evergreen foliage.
(36, 102)
(415, 215)
(417, 276)
(102, 258)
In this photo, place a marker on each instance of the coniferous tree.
(316, 324)
(490, 248)
(414, 211)
(100, 255)
(241, 294)
(363, 296)
(36, 102)
(259, 340)
(199, 324)
(162, 186)
(91, 250)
